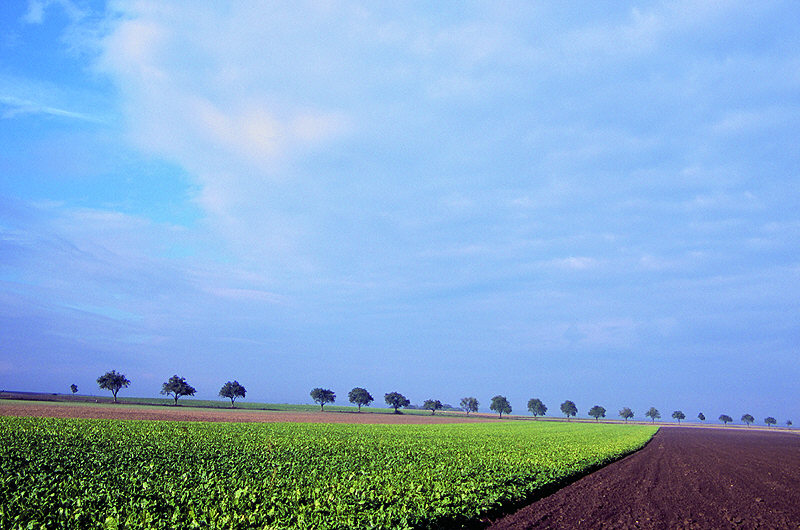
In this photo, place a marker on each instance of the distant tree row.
(175, 387)
(362, 398)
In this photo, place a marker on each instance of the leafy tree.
(626, 413)
(396, 400)
(113, 381)
(568, 409)
(74, 388)
(432, 405)
(536, 407)
(177, 387)
(469, 404)
(232, 390)
(323, 396)
(789, 423)
(724, 418)
(769, 420)
(701, 417)
(597, 412)
(653, 414)
(500, 404)
(359, 396)
(678, 415)
(748, 419)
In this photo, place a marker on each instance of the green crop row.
(69, 473)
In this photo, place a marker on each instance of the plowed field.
(684, 478)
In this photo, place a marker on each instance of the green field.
(69, 473)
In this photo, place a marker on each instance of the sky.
(593, 201)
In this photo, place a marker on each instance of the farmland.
(79, 473)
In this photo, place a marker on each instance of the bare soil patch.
(684, 478)
(179, 413)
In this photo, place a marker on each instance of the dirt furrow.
(685, 478)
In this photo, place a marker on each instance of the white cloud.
(753, 121)
(37, 9)
(575, 263)
(215, 107)
(219, 90)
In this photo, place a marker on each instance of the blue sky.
(586, 201)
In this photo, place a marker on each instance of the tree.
(74, 388)
(653, 414)
(396, 400)
(177, 387)
(597, 412)
(536, 407)
(469, 404)
(232, 390)
(724, 418)
(626, 413)
(500, 404)
(113, 381)
(323, 396)
(359, 396)
(789, 423)
(769, 420)
(748, 419)
(568, 409)
(701, 417)
(678, 415)
(432, 405)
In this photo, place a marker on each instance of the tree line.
(177, 386)
(174, 387)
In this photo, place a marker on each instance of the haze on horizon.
(587, 201)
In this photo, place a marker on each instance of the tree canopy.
(113, 381)
(653, 414)
(788, 423)
(232, 390)
(74, 388)
(701, 417)
(177, 387)
(748, 419)
(769, 420)
(678, 415)
(323, 396)
(597, 412)
(359, 396)
(396, 400)
(469, 404)
(724, 418)
(501, 405)
(536, 407)
(626, 413)
(432, 405)
(568, 409)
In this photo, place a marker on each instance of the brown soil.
(684, 478)
(145, 412)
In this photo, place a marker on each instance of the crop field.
(84, 473)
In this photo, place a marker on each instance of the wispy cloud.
(16, 107)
